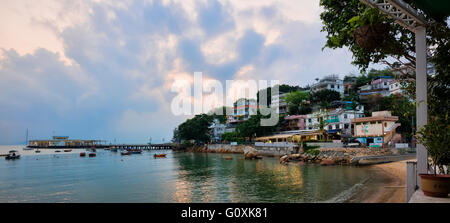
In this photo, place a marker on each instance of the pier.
(163, 146)
(145, 146)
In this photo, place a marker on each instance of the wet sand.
(387, 184)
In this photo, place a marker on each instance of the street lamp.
(409, 18)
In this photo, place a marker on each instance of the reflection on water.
(181, 177)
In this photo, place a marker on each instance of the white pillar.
(421, 95)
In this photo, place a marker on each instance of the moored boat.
(162, 155)
(37, 151)
(135, 151)
(12, 155)
(125, 153)
(67, 150)
(57, 151)
(82, 154)
(92, 154)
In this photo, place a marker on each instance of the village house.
(376, 131)
(331, 82)
(378, 86)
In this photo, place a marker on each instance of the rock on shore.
(333, 156)
(251, 153)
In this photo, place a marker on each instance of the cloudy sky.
(104, 69)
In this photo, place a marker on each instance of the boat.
(12, 155)
(162, 155)
(26, 141)
(228, 158)
(135, 151)
(125, 153)
(67, 150)
(37, 151)
(82, 154)
(92, 154)
(57, 151)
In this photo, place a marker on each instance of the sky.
(100, 69)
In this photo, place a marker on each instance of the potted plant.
(436, 138)
(368, 29)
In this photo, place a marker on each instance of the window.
(332, 86)
(385, 124)
(345, 116)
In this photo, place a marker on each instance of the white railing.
(276, 144)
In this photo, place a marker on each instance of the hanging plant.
(368, 29)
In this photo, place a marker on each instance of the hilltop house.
(378, 86)
(331, 82)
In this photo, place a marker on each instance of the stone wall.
(326, 144)
(227, 148)
(345, 156)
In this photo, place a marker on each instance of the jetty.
(63, 142)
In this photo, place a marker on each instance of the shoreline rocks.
(337, 156)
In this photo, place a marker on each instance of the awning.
(332, 131)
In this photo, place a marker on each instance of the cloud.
(104, 69)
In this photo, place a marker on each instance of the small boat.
(92, 155)
(125, 153)
(27, 148)
(113, 150)
(135, 151)
(12, 155)
(67, 150)
(162, 155)
(57, 151)
(228, 158)
(37, 151)
(82, 154)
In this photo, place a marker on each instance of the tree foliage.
(325, 97)
(195, 128)
(298, 102)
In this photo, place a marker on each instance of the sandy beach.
(386, 185)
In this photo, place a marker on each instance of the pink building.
(296, 122)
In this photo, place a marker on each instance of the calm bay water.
(181, 177)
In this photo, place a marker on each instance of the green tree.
(196, 128)
(297, 102)
(398, 45)
(325, 97)
(252, 127)
(402, 107)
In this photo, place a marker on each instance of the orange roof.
(375, 118)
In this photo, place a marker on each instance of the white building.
(217, 129)
(331, 82)
(395, 88)
(378, 86)
(279, 103)
(242, 110)
(337, 120)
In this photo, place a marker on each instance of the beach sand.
(386, 185)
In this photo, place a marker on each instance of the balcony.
(332, 120)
